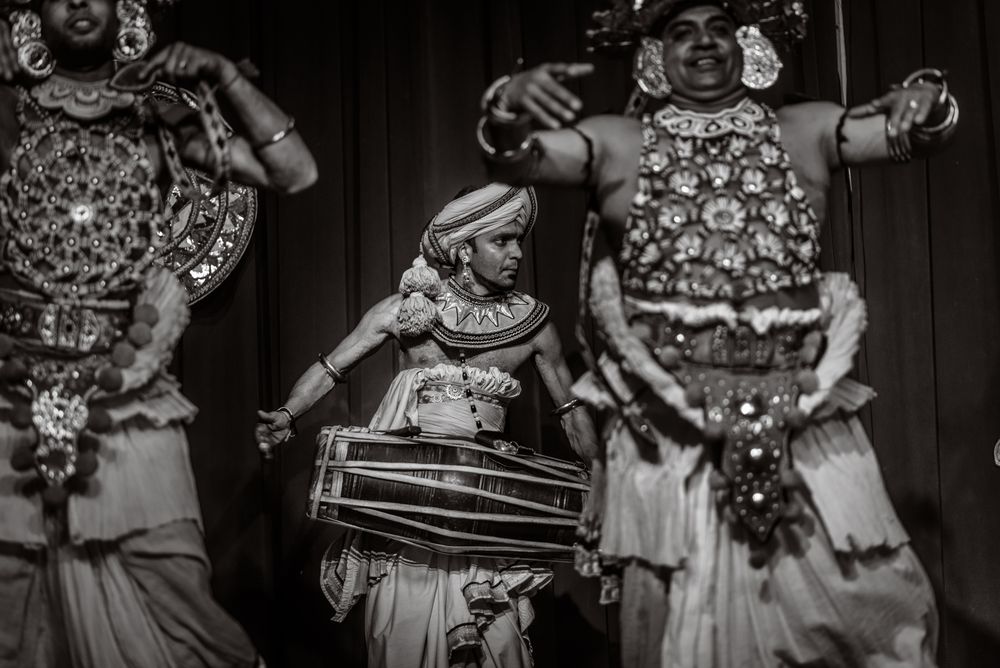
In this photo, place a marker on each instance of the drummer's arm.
(376, 328)
(555, 374)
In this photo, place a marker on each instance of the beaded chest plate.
(81, 207)
(718, 213)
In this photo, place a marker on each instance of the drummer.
(461, 339)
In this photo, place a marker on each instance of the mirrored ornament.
(761, 64)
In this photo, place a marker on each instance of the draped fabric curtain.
(387, 96)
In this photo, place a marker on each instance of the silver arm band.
(277, 136)
(333, 372)
(569, 406)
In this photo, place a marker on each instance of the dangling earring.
(135, 34)
(648, 69)
(761, 64)
(33, 55)
(466, 274)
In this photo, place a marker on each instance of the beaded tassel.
(468, 392)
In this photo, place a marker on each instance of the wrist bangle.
(513, 155)
(942, 130)
(569, 406)
(277, 136)
(491, 97)
(930, 75)
(333, 372)
(292, 431)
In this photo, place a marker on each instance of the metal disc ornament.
(206, 238)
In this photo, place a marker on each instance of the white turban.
(479, 212)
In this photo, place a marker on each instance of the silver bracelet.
(490, 102)
(942, 130)
(292, 430)
(333, 372)
(513, 155)
(930, 75)
(568, 407)
(277, 136)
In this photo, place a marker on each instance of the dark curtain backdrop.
(386, 93)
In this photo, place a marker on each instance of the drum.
(448, 495)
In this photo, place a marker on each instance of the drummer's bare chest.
(430, 353)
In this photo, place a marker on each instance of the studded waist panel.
(728, 346)
(436, 393)
(68, 328)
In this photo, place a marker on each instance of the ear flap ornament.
(33, 55)
(761, 64)
(648, 70)
(135, 36)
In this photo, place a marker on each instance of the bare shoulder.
(382, 316)
(610, 124)
(546, 341)
(815, 118)
(615, 132)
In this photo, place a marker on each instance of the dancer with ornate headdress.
(102, 558)
(461, 339)
(741, 498)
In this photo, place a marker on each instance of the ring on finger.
(182, 65)
(913, 104)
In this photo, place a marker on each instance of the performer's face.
(701, 57)
(79, 31)
(496, 257)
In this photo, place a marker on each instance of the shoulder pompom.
(420, 278)
(417, 315)
(419, 286)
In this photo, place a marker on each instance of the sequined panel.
(718, 213)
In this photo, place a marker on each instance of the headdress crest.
(620, 27)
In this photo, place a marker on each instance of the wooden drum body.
(448, 495)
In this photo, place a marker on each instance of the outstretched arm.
(267, 151)
(557, 379)
(915, 119)
(375, 328)
(563, 152)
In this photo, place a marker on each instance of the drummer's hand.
(272, 429)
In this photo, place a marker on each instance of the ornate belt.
(437, 393)
(92, 328)
(720, 345)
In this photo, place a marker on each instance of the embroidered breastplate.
(471, 321)
(718, 213)
(81, 212)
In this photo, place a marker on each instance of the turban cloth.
(480, 212)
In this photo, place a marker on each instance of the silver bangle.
(942, 129)
(333, 372)
(930, 75)
(292, 430)
(513, 155)
(568, 407)
(490, 101)
(277, 136)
